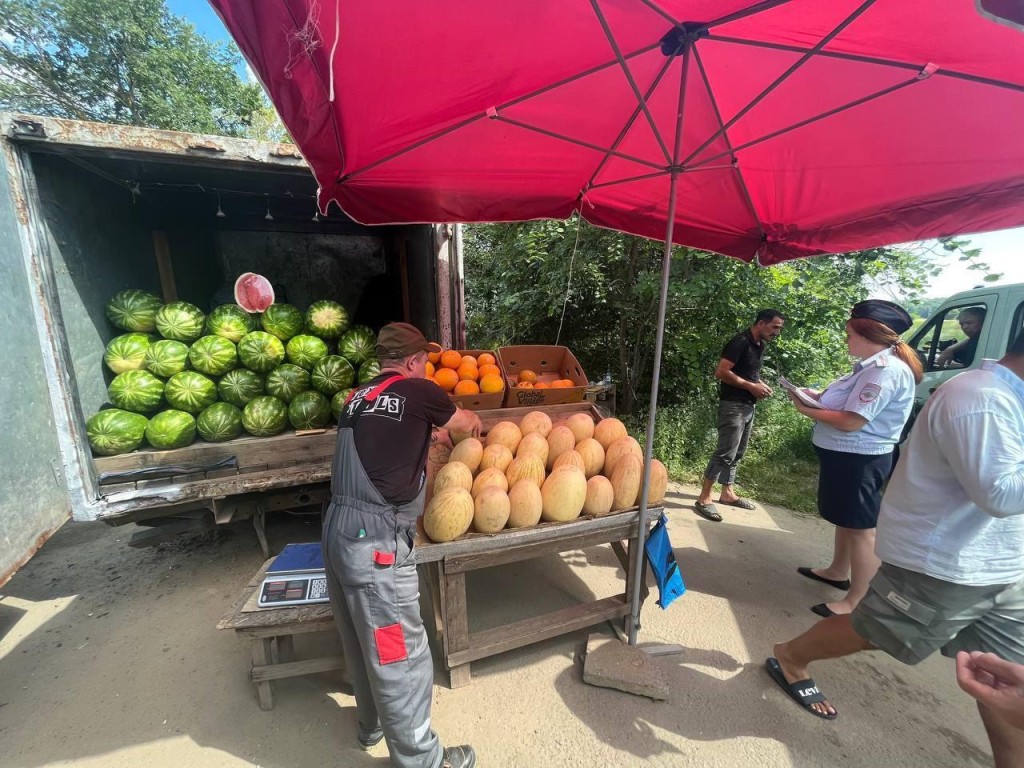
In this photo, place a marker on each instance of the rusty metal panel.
(33, 499)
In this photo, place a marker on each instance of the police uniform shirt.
(881, 390)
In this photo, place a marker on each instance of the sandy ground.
(109, 657)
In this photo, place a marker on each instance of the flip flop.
(807, 571)
(741, 503)
(823, 610)
(707, 511)
(803, 692)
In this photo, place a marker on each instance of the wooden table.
(271, 633)
(447, 565)
(444, 568)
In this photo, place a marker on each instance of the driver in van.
(961, 354)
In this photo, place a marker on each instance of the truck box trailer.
(87, 210)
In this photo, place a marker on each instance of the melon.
(491, 510)
(525, 504)
(253, 292)
(535, 421)
(560, 440)
(468, 452)
(497, 456)
(621, 447)
(528, 467)
(626, 481)
(505, 433)
(570, 459)
(448, 515)
(454, 474)
(609, 430)
(659, 484)
(582, 425)
(563, 495)
(534, 444)
(492, 477)
(593, 456)
(600, 496)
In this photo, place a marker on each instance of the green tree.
(120, 61)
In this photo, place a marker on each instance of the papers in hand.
(802, 396)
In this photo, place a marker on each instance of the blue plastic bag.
(663, 564)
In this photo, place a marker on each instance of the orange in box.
(479, 400)
(556, 367)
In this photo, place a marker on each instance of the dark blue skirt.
(850, 487)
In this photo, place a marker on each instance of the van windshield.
(950, 340)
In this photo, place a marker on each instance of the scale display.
(296, 577)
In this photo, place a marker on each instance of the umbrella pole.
(641, 558)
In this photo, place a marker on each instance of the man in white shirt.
(951, 540)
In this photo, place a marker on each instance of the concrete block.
(611, 663)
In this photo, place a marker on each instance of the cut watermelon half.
(253, 292)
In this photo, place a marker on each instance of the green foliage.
(131, 62)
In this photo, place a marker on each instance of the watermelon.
(230, 321)
(114, 431)
(306, 351)
(309, 410)
(180, 321)
(213, 355)
(368, 370)
(137, 391)
(260, 352)
(190, 391)
(264, 416)
(283, 321)
(326, 319)
(338, 402)
(358, 345)
(127, 352)
(253, 292)
(134, 310)
(332, 374)
(220, 422)
(240, 386)
(286, 381)
(171, 429)
(165, 358)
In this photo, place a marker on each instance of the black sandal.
(807, 571)
(707, 511)
(803, 692)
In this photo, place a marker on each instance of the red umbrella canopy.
(793, 127)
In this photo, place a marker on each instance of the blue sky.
(1002, 251)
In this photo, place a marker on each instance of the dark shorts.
(850, 487)
(911, 615)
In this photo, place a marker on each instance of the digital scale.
(296, 577)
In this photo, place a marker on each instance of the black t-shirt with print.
(746, 356)
(392, 433)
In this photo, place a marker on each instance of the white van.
(966, 328)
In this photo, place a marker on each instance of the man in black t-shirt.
(377, 491)
(739, 389)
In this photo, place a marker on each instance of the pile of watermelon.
(181, 373)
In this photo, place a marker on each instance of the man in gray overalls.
(377, 491)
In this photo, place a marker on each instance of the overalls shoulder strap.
(372, 394)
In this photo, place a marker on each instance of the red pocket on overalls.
(383, 558)
(390, 644)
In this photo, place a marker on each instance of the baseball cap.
(398, 340)
(885, 312)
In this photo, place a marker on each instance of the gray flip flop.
(707, 511)
(741, 503)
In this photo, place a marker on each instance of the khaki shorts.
(910, 616)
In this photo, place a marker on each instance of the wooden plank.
(282, 619)
(429, 551)
(533, 630)
(582, 540)
(313, 625)
(165, 266)
(261, 658)
(247, 450)
(296, 668)
(456, 622)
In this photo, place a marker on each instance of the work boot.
(370, 739)
(462, 756)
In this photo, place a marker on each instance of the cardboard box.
(481, 400)
(549, 363)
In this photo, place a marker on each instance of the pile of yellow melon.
(533, 471)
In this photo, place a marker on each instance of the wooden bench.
(444, 567)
